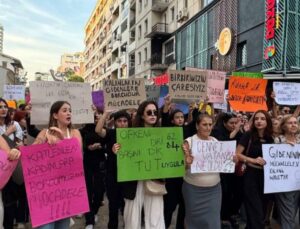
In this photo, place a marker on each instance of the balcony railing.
(159, 30)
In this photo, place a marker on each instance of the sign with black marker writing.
(54, 181)
(123, 94)
(45, 93)
(191, 85)
(247, 94)
(212, 156)
(287, 93)
(282, 168)
(150, 153)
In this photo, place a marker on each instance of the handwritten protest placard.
(123, 94)
(54, 180)
(152, 92)
(287, 93)
(247, 94)
(14, 92)
(282, 168)
(98, 99)
(222, 106)
(213, 156)
(215, 84)
(190, 85)
(45, 93)
(158, 153)
(6, 168)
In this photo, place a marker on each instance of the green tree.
(75, 78)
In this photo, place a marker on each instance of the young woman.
(135, 196)
(201, 192)
(59, 127)
(251, 142)
(13, 154)
(12, 131)
(228, 128)
(287, 202)
(94, 162)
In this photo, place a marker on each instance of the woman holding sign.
(134, 192)
(249, 151)
(12, 154)
(287, 202)
(59, 128)
(201, 191)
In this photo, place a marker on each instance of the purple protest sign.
(6, 168)
(54, 181)
(98, 99)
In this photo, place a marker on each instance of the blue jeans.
(60, 224)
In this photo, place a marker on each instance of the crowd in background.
(207, 200)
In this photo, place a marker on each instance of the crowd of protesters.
(206, 200)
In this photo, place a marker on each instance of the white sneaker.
(90, 226)
(96, 218)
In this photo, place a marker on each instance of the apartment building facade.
(98, 44)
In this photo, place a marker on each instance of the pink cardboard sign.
(6, 168)
(54, 180)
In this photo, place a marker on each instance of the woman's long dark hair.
(54, 110)
(139, 121)
(268, 132)
(7, 119)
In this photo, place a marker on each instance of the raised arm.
(100, 124)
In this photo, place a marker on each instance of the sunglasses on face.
(286, 111)
(3, 107)
(151, 112)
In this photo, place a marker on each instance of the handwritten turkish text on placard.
(150, 153)
(54, 180)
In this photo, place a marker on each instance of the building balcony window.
(156, 62)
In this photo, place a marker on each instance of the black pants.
(10, 198)
(232, 195)
(254, 198)
(171, 200)
(95, 182)
(115, 200)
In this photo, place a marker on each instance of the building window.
(205, 2)
(172, 13)
(185, 3)
(140, 31)
(140, 58)
(169, 52)
(146, 54)
(140, 5)
(146, 3)
(241, 54)
(146, 27)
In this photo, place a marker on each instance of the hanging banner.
(54, 181)
(123, 94)
(45, 93)
(212, 156)
(247, 94)
(287, 93)
(282, 168)
(160, 156)
(191, 85)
